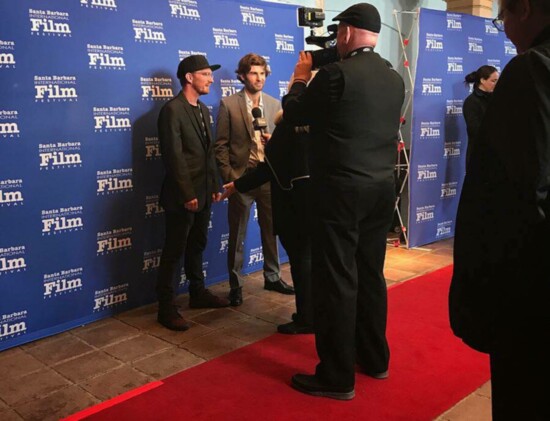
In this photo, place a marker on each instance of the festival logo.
(490, 29)
(12, 260)
(152, 206)
(111, 119)
(186, 53)
(49, 23)
(455, 65)
(184, 9)
(146, 31)
(62, 220)
(256, 256)
(475, 45)
(156, 88)
(99, 4)
(152, 148)
(444, 229)
(114, 181)
(253, 16)
(105, 57)
(434, 42)
(59, 155)
(110, 298)
(509, 48)
(283, 87)
(449, 190)
(13, 324)
(451, 149)
(63, 282)
(7, 54)
(9, 127)
(11, 193)
(151, 260)
(230, 86)
(426, 172)
(284, 43)
(224, 243)
(55, 89)
(425, 213)
(114, 240)
(454, 22)
(225, 38)
(453, 107)
(430, 130)
(432, 86)
(495, 63)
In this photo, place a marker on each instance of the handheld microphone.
(259, 122)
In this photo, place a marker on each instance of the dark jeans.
(186, 235)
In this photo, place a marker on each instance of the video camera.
(313, 18)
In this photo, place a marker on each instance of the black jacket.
(501, 281)
(188, 158)
(353, 108)
(474, 110)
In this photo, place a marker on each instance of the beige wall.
(474, 7)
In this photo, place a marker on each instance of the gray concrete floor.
(57, 376)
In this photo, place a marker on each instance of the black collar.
(359, 51)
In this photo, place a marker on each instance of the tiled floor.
(60, 375)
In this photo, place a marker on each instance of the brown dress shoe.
(205, 299)
(169, 317)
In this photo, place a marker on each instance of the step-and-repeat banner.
(81, 86)
(450, 46)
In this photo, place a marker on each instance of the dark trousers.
(238, 215)
(520, 372)
(350, 296)
(296, 240)
(186, 235)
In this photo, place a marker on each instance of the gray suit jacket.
(235, 133)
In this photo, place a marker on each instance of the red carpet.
(430, 370)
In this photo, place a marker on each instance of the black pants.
(350, 225)
(186, 235)
(294, 233)
(520, 372)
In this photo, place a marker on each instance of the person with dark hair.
(239, 148)
(353, 108)
(484, 81)
(500, 289)
(190, 186)
(287, 170)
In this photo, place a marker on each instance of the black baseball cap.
(193, 63)
(363, 16)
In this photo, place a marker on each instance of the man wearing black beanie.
(353, 108)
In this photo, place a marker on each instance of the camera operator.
(353, 108)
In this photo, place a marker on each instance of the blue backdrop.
(450, 46)
(82, 82)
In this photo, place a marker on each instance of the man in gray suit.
(190, 186)
(239, 147)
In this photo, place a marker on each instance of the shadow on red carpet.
(430, 371)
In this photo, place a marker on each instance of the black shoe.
(379, 376)
(169, 317)
(294, 328)
(279, 286)
(313, 386)
(205, 299)
(236, 297)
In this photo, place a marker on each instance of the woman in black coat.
(484, 80)
(286, 167)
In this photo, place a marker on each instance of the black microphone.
(259, 122)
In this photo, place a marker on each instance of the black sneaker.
(311, 385)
